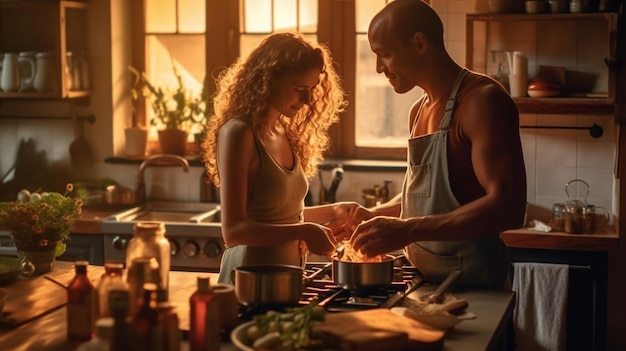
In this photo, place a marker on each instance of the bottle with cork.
(204, 329)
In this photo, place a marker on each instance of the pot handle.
(573, 181)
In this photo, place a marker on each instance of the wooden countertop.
(606, 240)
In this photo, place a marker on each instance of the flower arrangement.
(37, 221)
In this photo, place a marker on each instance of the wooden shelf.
(531, 239)
(606, 16)
(565, 105)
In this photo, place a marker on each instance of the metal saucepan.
(361, 276)
(118, 195)
(269, 284)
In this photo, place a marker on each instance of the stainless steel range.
(193, 229)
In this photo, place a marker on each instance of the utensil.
(80, 151)
(437, 296)
(268, 285)
(118, 195)
(55, 281)
(361, 276)
(412, 285)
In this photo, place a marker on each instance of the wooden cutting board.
(343, 327)
(35, 296)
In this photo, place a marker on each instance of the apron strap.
(451, 103)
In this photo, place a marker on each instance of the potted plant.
(176, 112)
(136, 135)
(40, 223)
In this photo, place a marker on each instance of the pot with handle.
(361, 276)
(268, 284)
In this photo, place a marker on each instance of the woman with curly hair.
(272, 114)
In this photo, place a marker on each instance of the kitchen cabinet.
(583, 43)
(55, 27)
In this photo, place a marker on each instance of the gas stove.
(319, 286)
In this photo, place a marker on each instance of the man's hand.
(381, 235)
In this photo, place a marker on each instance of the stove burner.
(320, 287)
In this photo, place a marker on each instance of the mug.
(27, 65)
(227, 305)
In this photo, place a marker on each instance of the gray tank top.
(278, 197)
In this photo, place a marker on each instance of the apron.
(426, 191)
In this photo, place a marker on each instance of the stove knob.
(190, 248)
(212, 249)
(174, 247)
(119, 243)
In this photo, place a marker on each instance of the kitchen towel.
(541, 310)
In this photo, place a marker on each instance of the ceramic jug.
(10, 78)
(26, 62)
(45, 72)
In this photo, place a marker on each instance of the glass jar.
(149, 242)
(558, 217)
(112, 279)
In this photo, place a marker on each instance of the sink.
(180, 218)
(169, 211)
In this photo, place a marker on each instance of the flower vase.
(40, 258)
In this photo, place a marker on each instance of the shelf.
(606, 16)
(565, 105)
(607, 240)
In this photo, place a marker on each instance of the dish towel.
(541, 310)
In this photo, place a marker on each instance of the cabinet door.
(52, 27)
(582, 46)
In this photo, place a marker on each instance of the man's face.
(394, 59)
(291, 92)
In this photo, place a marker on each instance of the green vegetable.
(292, 325)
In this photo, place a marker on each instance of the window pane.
(161, 16)
(185, 52)
(365, 10)
(249, 42)
(285, 15)
(308, 16)
(381, 114)
(191, 16)
(257, 16)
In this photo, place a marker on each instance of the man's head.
(401, 35)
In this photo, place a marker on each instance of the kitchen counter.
(606, 240)
(47, 332)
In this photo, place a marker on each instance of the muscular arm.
(491, 125)
(237, 159)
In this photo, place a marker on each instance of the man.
(465, 180)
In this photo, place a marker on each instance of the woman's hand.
(348, 215)
(319, 239)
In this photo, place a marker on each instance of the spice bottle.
(168, 322)
(204, 330)
(101, 342)
(119, 306)
(146, 322)
(80, 304)
(149, 241)
(112, 279)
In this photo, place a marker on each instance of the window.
(199, 37)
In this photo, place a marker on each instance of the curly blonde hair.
(243, 92)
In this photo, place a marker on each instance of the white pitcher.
(45, 72)
(10, 79)
(26, 62)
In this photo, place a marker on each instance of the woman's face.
(291, 92)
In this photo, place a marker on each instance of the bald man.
(465, 181)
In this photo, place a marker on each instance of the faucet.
(157, 160)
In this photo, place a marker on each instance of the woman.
(272, 113)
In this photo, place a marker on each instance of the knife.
(412, 285)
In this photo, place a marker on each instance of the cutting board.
(340, 328)
(32, 297)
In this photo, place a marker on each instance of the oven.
(196, 244)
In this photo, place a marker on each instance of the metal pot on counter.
(360, 276)
(268, 285)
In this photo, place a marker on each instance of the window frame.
(336, 29)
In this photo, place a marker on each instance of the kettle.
(581, 217)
